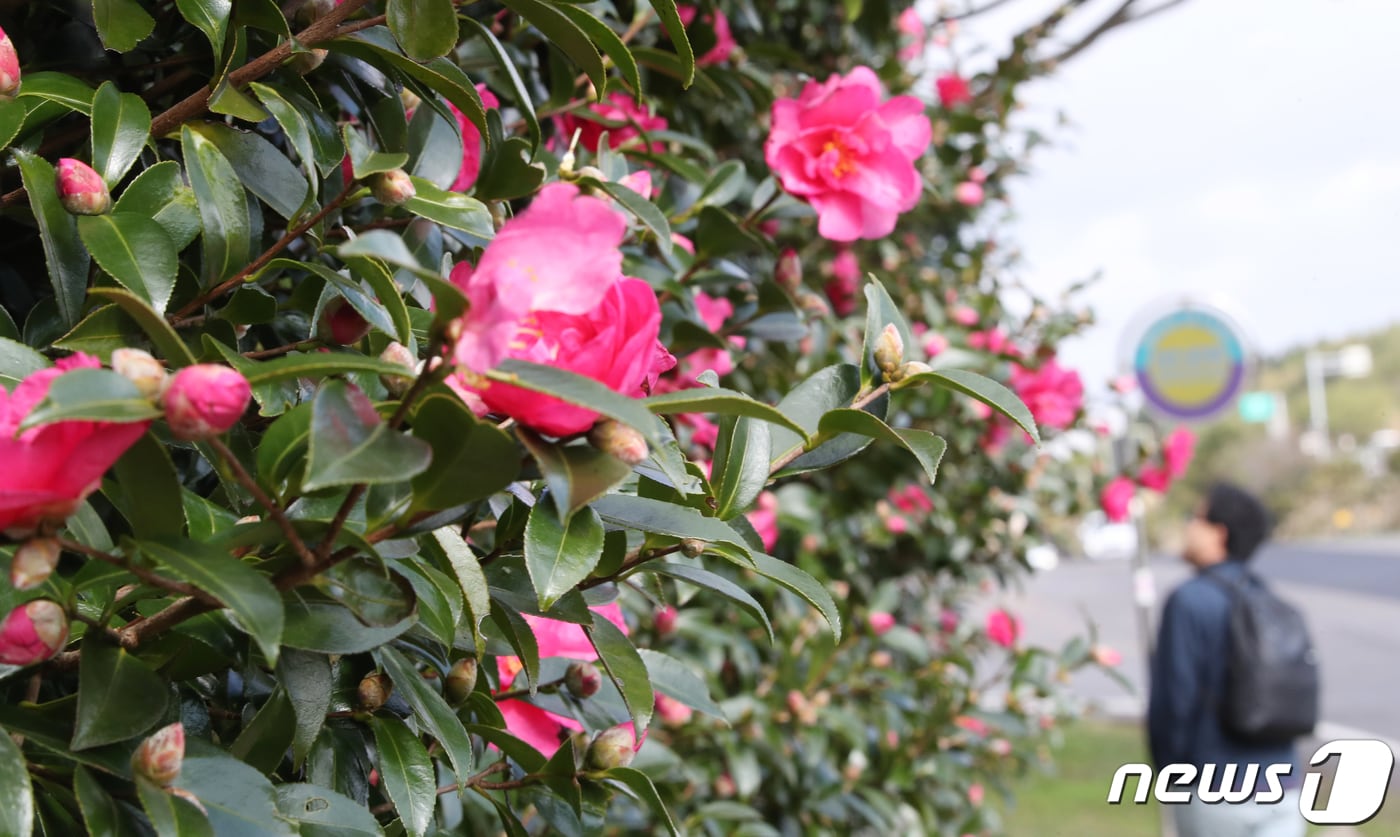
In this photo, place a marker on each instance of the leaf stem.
(274, 508)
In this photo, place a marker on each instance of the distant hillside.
(1358, 406)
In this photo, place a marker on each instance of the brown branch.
(279, 516)
(263, 354)
(1113, 21)
(149, 576)
(516, 693)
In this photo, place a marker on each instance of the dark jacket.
(1188, 676)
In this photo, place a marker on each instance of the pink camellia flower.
(953, 90)
(32, 633)
(1053, 393)
(968, 193)
(845, 281)
(1154, 478)
(9, 67)
(1116, 498)
(672, 712)
(1177, 451)
(724, 39)
(205, 400)
(623, 118)
(765, 519)
(976, 726)
(639, 181)
(683, 242)
(896, 525)
(849, 154)
(1107, 656)
(1003, 628)
(471, 141)
(975, 794)
(881, 622)
(934, 344)
(964, 316)
(911, 26)
(912, 499)
(80, 189)
(713, 312)
(948, 621)
(977, 174)
(50, 469)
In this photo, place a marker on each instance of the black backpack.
(1272, 683)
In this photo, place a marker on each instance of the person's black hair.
(1245, 519)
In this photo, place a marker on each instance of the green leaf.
(100, 812)
(294, 124)
(451, 209)
(665, 519)
(240, 800)
(17, 814)
(364, 160)
(518, 751)
(330, 628)
(168, 343)
(881, 310)
(223, 207)
(741, 463)
(261, 167)
(927, 448)
(242, 589)
(520, 636)
(583, 391)
(830, 388)
(318, 365)
(651, 217)
(92, 394)
(265, 739)
(12, 116)
(407, 773)
(153, 504)
(101, 332)
(351, 444)
(64, 253)
(608, 41)
(725, 402)
(799, 582)
(626, 669)
(715, 583)
(426, 29)
(210, 17)
(322, 812)
(18, 361)
(471, 459)
(307, 679)
(136, 251)
(379, 598)
(564, 33)
(675, 679)
(440, 74)
(471, 578)
(122, 24)
(641, 787)
(559, 555)
(520, 93)
(160, 192)
(575, 474)
(59, 88)
(391, 249)
(387, 294)
(675, 29)
(170, 815)
(439, 598)
(431, 711)
(984, 389)
(119, 696)
(121, 125)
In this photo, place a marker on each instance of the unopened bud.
(304, 62)
(161, 755)
(693, 547)
(498, 214)
(614, 437)
(374, 691)
(665, 621)
(725, 786)
(889, 350)
(32, 633)
(593, 172)
(141, 369)
(566, 165)
(341, 324)
(881, 659)
(583, 680)
(34, 562)
(80, 189)
(9, 67)
(399, 355)
(910, 369)
(205, 400)
(392, 188)
(461, 679)
(410, 100)
(814, 305)
(788, 273)
(615, 747)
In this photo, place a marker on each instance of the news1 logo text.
(1361, 770)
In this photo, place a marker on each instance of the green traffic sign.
(1257, 407)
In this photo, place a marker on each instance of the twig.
(150, 577)
(263, 354)
(515, 693)
(476, 780)
(274, 508)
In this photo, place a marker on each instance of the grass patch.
(1069, 801)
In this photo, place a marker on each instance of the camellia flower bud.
(374, 690)
(693, 547)
(9, 67)
(881, 622)
(304, 62)
(461, 679)
(399, 355)
(161, 755)
(909, 370)
(34, 562)
(788, 273)
(80, 189)
(583, 680)
(392, 188)
(615, 747)
(141, 369)
(665, 620)
(204, 400)
(889, 350)
(341, 323)
(616, 438)
(410, 100)
(32, 633)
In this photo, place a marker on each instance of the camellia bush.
(449, 418)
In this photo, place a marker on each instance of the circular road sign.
(1190, 363)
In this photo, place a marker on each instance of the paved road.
(1371, 567)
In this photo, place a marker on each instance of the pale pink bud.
(34, 562)
(374, 690)
(1107, 656)
(461, 679)
(392, 188)
(788, 273)
(80, 189)
(9, 67)
(161, 755)
(614, 747)
(672, 712)
(683, 242)
(975, 794)
(968, 193)
(881, 659)
(341, 323)
(934, 344)
(205, 400)
(964, 316)
(1124, 384)
(977, 175)
(639, 182)
(32, 633)
(616, 438)
(725, 786)
(999, 747)
(896, 525)
(665, 620)
(583, 680)
(948, 621)
(141, 369)
(399, 355)
(889, 349)
(881, 622)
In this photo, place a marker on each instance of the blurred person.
(1190, 706)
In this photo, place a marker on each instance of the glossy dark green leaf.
(210, 17)
(170, 815)
(101, 816)
(153, 502)
(12, 116)
(626, 669)
(134, 250)
(330, 628)
(507, 171)
(387, 294)
(715, 583)
(984, 389)
(927, 448)
(664, 519)
(317, 365)
(583, 391)
(441, 75)
(431, 711)
(160, 192)
(121, 124)
(307, 678)
(520, 636)
(426, 29)
(640, 786)
(470, 577)
(64, 252)
(608, 41)
(520, 93)
(242, 589)
(741, 461)
(282, 451)
(675, 29)
(17, 814)
(675, 679)
(223, 207)
(377, 597)
(407, 773)
(321, 812)
(471, 459)
(882, 310)
(651, 217)
(122, 24)
(801, 583)
(101, 332)
(521, 753)
(391, 249)
(725, 402)
(560, 554)
(564, 33)
(119, 696)
(262, 168)
(351, 444)
(265, 739)
(829, 389)
(93, 394)
(451, 209)
(321, 150)
(364, 159)
(575, 474)
(18, 361)
(169, 345)
(239, 799)
(60, 88)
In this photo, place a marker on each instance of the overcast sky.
(1246, 152)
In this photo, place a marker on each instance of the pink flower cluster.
(724, 39)
(623, 118)
(1053, 393)
(1177, 451)
(1003, 628)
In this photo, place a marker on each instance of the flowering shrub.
(418, 418)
